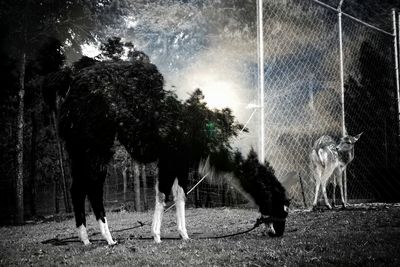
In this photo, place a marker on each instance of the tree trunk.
(56, 198)
(125, 181)
(19, 185)
(144, 185)
(136, 184)
(197, 200)
(32, 183)
(61, 164)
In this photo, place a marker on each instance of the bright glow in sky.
(218, 93)
(90, 49)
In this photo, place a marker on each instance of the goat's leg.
(179, 198)
(78, 196)
(96, 200)
(158, 213)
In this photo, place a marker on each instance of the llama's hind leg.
(179, 198)
(78, 196)
(96, 200)
(158, 213)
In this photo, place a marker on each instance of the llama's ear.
(357, 137)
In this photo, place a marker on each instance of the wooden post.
(144, 186)
(136, 184)
(302, 191)
(124, 180)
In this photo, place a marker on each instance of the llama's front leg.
(78, 201)
(158, 213)
(179, 198)
(96, 200)
(105, 231)
(83, 236)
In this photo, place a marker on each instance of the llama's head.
(276, 222)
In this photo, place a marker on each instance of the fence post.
(260, 44)
(344, 132)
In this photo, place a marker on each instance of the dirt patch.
(362, 235)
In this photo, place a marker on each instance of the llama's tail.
(205, 168)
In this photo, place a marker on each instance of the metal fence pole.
(344, 132)
(260, 39)
(341, 65)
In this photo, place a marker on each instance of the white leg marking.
(158, 213)
(105, 232)
(179, 198)
(83, 236)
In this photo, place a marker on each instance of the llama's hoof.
(314, 208)
(112, 243)
(184, 235)
(86, 242)
(186, 238)
(157, 239)
(269, 229)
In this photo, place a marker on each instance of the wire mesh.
(303, 96)
(302, 88)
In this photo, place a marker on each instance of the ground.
(362, 235)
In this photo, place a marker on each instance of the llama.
(104, 101)
(327, 158)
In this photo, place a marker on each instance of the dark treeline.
(371, 107)
(34, 37)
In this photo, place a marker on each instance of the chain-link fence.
(303, 97)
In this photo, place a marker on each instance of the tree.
(113, 49)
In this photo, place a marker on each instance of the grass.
(363, 235)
